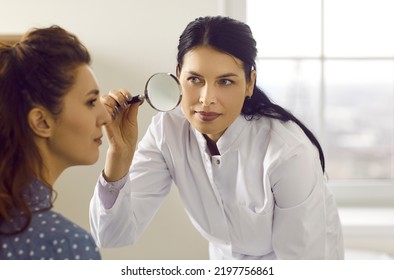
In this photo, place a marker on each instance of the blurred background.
(331, 62)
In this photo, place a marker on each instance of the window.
(331, 62)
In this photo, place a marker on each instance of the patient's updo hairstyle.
(37, 71)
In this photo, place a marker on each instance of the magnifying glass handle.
(137, 98)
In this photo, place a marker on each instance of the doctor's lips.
(207, 116)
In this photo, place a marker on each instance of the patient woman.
(51, 118)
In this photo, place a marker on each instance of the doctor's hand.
(122, 133)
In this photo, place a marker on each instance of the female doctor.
(250, 175)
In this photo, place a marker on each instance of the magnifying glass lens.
(163, 92)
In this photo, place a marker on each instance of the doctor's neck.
(213, 148)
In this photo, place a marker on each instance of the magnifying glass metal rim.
(146, 93)
(142, 97)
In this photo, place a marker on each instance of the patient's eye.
(91, 102)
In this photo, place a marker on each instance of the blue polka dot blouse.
(48, 236)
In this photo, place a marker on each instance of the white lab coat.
(264, 197)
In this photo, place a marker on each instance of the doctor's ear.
(40, 121)
(251, 84)
(178, 71)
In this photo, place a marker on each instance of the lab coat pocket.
(255, 228)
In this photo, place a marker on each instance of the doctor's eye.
(195, 80)
(225, 82)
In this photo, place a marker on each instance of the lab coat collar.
(229, 137)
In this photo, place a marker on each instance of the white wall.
(129, 40)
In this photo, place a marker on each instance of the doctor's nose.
(207, 97)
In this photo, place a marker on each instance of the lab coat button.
(218, 161)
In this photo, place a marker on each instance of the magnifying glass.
(162, 91)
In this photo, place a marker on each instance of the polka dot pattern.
(49, 236)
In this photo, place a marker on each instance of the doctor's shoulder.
(284, 139)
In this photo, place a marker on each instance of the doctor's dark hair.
(35, 72)
(235, 38)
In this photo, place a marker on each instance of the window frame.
(348, 193)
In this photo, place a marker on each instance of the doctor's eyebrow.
(226, 75)
(194, 73)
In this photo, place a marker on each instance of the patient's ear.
(40, 121)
